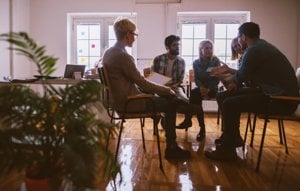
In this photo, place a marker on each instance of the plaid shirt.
(160, 65)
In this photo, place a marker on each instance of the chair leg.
(142, 120)
(218, 116)
(246, 132)
(284, 136)
(279, 131)
(158, 147)
(119, 138)
(253, 129)
(249, 121)
(261, 143)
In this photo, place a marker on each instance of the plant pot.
(37, 184)
(45, 184)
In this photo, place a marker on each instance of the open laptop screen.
(71, 68)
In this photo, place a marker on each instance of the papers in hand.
(158, 78)
(181, 95)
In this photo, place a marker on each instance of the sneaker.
(221, 154)
(177, 153)
(238, 142)
(184, 125)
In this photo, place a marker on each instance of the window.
(220, 27)
(90, 35)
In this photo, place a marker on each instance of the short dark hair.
(170, 39)
(250, 29)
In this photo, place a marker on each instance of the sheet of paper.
(181, 95)
(158, 78)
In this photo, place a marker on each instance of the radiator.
(210, 105)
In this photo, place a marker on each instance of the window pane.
(232, 30)
(196, 47)
(82, 47)
(94, 61)
(224, 33)
(187, 47)
(88, 44)
(188, 62)
(83, 60)
(82, 31)
(111, 43)
(111, 33)
(94, 32)
(192, 34)
(220, 30)
(219, 47)
(200, 31)
(228, 48)
(187, 31)
(94, 48)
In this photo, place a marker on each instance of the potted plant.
(54, 135)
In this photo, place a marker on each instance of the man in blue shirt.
(263, 66)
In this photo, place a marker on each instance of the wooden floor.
(140, 170)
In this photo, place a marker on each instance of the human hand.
(225, 78)
(218, 70)
(172, 92)
(231, 86)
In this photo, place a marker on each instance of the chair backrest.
(298, 77)
(191, 77)
(104, 80)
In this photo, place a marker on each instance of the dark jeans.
(196, 106)
(232, 104)
(167, 105)
(164, 104)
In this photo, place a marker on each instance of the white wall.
(279, 21)
(4, 54)
(21, 12)
(15, 66)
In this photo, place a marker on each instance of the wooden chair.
(280, 119)
(123, 115)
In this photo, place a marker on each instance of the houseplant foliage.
(56, 133)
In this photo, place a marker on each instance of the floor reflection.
(184, 178)
(126, 177)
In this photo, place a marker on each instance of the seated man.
(170, 64)
(125, 79)
(265, 67)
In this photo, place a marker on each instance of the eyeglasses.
(135, 34)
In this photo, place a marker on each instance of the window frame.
(104, 19)
(210, 19)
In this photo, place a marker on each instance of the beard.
(174, 52)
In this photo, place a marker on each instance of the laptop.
(72, 68)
